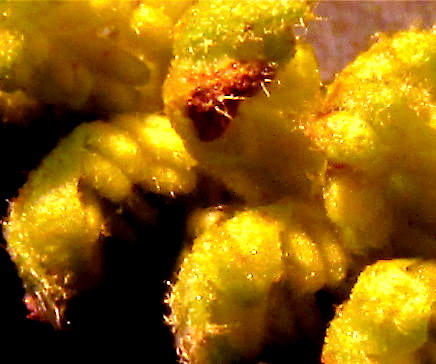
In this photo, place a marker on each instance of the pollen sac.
(251, 278)
(218, 304)
(377, 127)
(54, 241)
(388, 315)
(56, 225)
(362, 213)
(99, 58)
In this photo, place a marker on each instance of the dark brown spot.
(214, 102)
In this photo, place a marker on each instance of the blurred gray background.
(344, 28)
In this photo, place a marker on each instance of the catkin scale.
(237, 104)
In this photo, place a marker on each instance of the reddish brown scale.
(35, 311)
(214, 102)
(38, 310)
(337, 166)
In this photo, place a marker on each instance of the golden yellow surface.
(292, 191)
